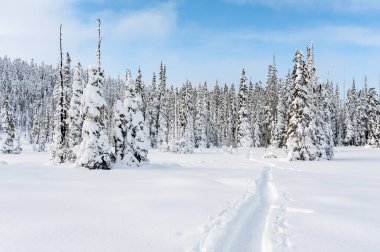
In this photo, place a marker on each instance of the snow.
(211, 200)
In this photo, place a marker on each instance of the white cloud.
(336, 5)
(343, 34)
(30, 29)
(156, 22)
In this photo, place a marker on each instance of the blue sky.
(200, 40)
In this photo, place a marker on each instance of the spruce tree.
(7, 144)
(75, 118)
(200, 119)
(244, 138)
(187, 120)
(270, 105)
(373, 118)
(94, 151)
(136, 140)
(153, 113)
(351, 136)
(120, 131)
(59, 147)
(362, 117)
(299, 141)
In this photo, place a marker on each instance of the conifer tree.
(362, 117)
(270, 106)
(299, 141)
(59, 147)
(187, 120)
(244, 138)
(200, 119)
(140, 87)
(160, 101)
(163, 122)
(153, 113)
(351, 136)
(373, 118)
(94, 150)
(7, 144)
(136, 140)
(120, 131)
(75, 118)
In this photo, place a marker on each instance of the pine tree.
(280, 126)
(163, 122)
(337, 121)
(351, 136)
(187, 120)
(7, 144)
(284, 100)
(153, 113)
(173, 136)
(120, 131)
(316, 127)
(299, 141)
(232, 117)
(75, 118)
(161, 109)
(326, 102)
(270, 106)
(373, 118)
(244, 138)
(94, 150)
(140, 89)
(136, 140)
(200, 119)
(59, 147)
(362, 117)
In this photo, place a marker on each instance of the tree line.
(86, 118)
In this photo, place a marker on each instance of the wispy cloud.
(335, 5)
(34, 34)
(157, 22)
(330, 34)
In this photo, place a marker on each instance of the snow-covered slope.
(206, 201)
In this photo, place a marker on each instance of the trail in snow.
(241, 226)
(275, 233)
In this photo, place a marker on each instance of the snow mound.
(270, 155)
(3, 163)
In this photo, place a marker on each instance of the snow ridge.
(242, 226)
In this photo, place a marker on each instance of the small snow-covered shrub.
(270, 155)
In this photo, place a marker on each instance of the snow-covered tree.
(362, 117)
(120, 130)
(163, 122)
(59, 146)
(200, 119)
(7, 144)
(152, 112)
(299, 141)
(161, 108)
(373, 118)
(140, 89)
(351, 136)
(136, 140)
(270, 105)
(75, 118)
(244, 138)
(186, 120)
(94, 150)
(284, 100)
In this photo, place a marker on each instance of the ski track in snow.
(255, 222)
(241, 226)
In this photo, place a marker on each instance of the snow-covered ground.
(214, 200)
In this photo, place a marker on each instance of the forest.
(80, 115)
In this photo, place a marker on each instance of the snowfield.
(212, 200)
